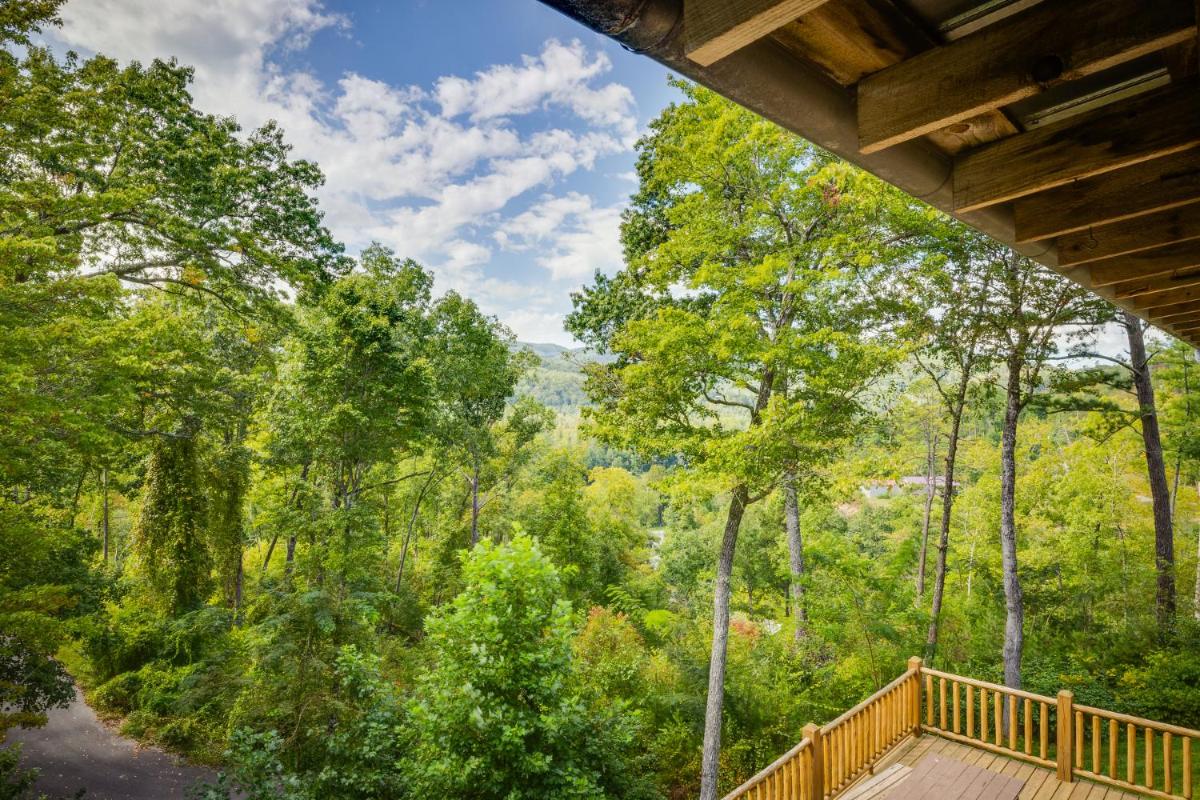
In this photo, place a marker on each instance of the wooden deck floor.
(1040, 783)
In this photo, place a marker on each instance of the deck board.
(1040, 782)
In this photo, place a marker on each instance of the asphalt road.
(74, 750)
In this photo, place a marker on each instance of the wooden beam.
(1181, 322)
(1145, 264)
(1156, 303)
(1123, 194)
(1054, 42)
(1145, 127)
(1130, 236)
(1159, 313)
(1185, 315)
(712, 29)
(1149, 286)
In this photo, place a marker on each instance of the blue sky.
(492, 141)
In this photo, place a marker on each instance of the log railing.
(1133, 754)
(830, 757)
(992, 717)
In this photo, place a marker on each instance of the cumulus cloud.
(574, 238)
(560, 76)
(431, 171)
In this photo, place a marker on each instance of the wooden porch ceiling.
(1079, 118)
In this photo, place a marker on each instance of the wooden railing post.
(914, 666)
(816, 774)
(1066, 736)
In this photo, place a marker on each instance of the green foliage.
(498, 715)
(288, 458)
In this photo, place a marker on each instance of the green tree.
(758, 366)
(355, 396)
(949, 295)
(499, 714)
(1031, 311)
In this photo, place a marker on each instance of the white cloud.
(574, 237)
(560, 76)
(429, 171)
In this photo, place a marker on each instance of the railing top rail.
(845, 715)
(1139, 721)
(770, 768)
(991, 687)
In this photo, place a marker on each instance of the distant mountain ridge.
(558, 380)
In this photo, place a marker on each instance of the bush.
(499, 716)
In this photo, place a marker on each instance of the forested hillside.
(300, 514)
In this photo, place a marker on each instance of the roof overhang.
(1068, 129)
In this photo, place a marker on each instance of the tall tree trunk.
(711, 753)
(1196, 598)
(930, 491)
(475, 504)
(943, 545)
(1014, 622)
(412, 521)
(791, 522)
(104, 517)
(1156, 470)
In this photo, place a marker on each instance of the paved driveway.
(74, 750)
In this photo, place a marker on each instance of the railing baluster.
(1095, 744)
(954, 688)
(1044, 744)
(970, 711)
(1113, 734)
(1028, 726)
(1012, 722)
(1187, 767)
(983, 714)
(929, 700)
(1149, 758)
(999, 717)
(1168, 778)
(1131, 754)
(942, 703)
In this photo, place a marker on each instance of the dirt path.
(75, 750)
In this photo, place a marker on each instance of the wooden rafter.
(1146, 127)
(1146, 264)
(1156, 303)
(1179, 315)
(1130, 236)
(713, 29)
(1150, 286)
(1124, 194)
(1023, 55)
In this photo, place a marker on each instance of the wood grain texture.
(1130, 236)
(1158, 302)
(1146, 264)
(848, 39)
(712, 29)
(1124, 194)
(1174, 310)
(1054, 42)
(1150, 286)
(1146, 127)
